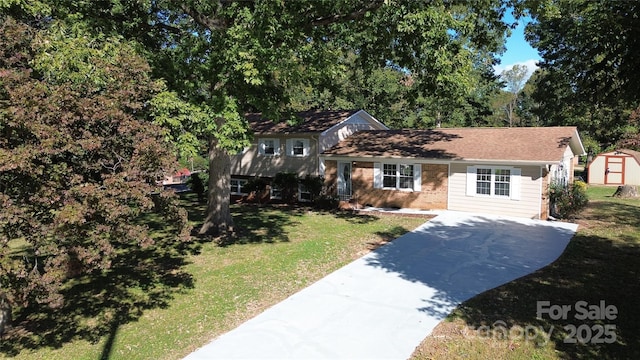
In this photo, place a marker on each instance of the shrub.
(568, 200)
(288, 185)
(314, 185)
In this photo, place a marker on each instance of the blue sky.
(518, 50)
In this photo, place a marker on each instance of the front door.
(344, 180)
(614, 170)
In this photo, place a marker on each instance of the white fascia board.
(375, 122)
(576, 145)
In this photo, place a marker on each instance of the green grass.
(165, 303)
(602, 262)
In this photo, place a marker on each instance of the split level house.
(504, 171)
(280, 147)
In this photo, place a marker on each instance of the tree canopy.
(225, 58)
(589, 68)
(79, 157)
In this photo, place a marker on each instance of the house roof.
(312, 121)
(526, 144)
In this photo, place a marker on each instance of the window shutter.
(276, 145)
(471, 180)
(307, 149)
(417, 177)
(516, 183)
(377, 176)
(289, 147)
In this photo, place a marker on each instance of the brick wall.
(432, 196)
(544, 204)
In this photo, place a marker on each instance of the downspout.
(320, 168)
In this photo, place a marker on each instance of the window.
(397, 176)
(270, 147)
(483, 182)
(276, 193)
(389, 175)
(493, 181)
(297, 147)
(502, 181)
(405, 177)
(303, 193)
(237, 186)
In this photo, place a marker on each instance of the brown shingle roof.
(312, 121)
(539, 144)
(633, 153)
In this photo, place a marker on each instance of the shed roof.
(313, 121)
(526, 144)
(633, 153)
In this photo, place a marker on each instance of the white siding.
(528, 204)
(340, 132)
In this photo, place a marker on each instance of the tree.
(590, 59)
(231, 57)
(593, 42)
(79, 157)
(514, 80)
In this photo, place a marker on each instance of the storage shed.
(620, 167)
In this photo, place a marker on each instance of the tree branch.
(211, 23)
(354, 15)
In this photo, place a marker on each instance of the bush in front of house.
(288, 185)
(568, 200)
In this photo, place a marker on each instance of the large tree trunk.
(218, 219)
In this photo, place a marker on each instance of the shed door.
(614, 170)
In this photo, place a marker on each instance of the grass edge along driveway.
(599, 270)
(279, 252)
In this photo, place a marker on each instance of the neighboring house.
(281, 147)
(177, 181)
(620, 167)
(493, 170)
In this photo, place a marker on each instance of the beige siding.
(632, 171)
(529, 205)
(596, 170)
(251, 163)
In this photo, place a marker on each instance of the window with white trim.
(275, 192)
(483, 182)
(502, 182)
(269, 147)
(493, 181)
(396, 176)
(237, 186)
(298, 147)
(303, 193)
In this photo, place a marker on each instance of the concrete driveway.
(382, 305)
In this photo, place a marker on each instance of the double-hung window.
(396, 176)
(237, 186)
(493, 181)
(269, 147)
(298, 147)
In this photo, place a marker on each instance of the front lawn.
(165, 304)
(600, 268)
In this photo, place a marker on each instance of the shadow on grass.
(97, 304)
(598, 265)
(354, 217)
(263, 224)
